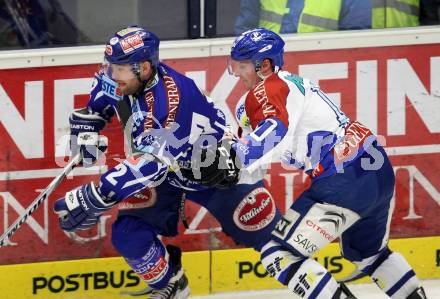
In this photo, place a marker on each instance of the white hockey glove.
(84, 136)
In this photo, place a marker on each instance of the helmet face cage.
(240, 67)
(259, 44)
(121, 72)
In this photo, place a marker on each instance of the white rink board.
(361, 291)
(12, 59)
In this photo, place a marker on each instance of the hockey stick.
(39, 200)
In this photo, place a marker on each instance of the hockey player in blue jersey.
(288, 118)
(165, 117)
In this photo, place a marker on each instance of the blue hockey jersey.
(168, 118)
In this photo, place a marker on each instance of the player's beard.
(131, 87)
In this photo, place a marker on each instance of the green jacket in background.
(325, 15)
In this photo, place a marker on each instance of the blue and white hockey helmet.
(126, 50)
(133, 44)
(258, 44)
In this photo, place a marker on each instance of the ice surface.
(362, 291)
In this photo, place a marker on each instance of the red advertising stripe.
(392, 90)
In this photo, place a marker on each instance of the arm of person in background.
(355, 14)
(249, 16)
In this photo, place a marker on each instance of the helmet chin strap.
(137, 72)
(260, 75)
(136, 69)
(148, 81)
(263, 77)
(143, 83)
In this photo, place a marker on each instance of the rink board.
(387, 80)
(208, 272)
(240, 269)
(108, 278)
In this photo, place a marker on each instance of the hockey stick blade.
(10, 231)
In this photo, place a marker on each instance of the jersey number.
(200, 125)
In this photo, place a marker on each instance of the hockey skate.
(419, 293)
(177, 287)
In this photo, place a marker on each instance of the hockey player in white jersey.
(288, 118)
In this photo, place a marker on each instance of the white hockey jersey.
(320, 137)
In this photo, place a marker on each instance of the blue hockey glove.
(84, 135)
(81, 208)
